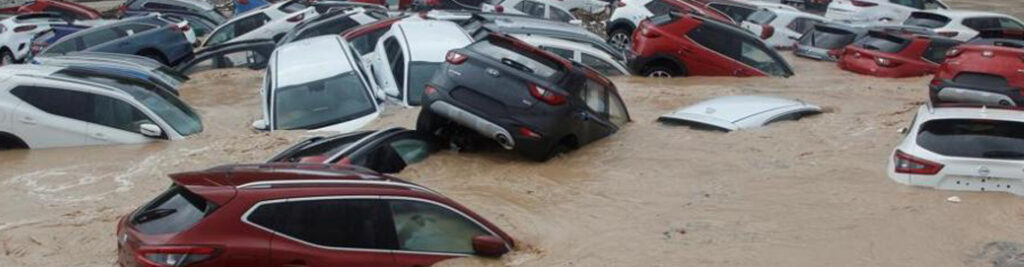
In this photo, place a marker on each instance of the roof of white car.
(537, 40)
(961, 14)
(310, 60)
(925, 113)
(736, 112)
(763, 4)
(430, 40)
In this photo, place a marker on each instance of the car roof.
(45, 71)
(731, 112)
(429, 40)
(96, 28)
(962, 14)
(290, 175)
(538, 40)
(296, 65)
(107, 57)
(967, 111)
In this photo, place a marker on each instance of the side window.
(65, 47)
(802, 25)
(567, 54)
(397, 58)
(559, 15)
(1007, 23)
(365, 44)
(936, 51)
(251, 23)
(201, 66)
(117, 114)
(59, 102)
(718, 40)
(600, 65)
(617, 113)
(533, 8)
(131, 29)
(67, 14)
(596, 97)
(341, 223)
(521, 6)
(100, 37)
(659, 7)
(427, 227)
(223, 34)
(980, 24)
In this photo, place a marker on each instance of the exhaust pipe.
(474, 122)
(504, 141)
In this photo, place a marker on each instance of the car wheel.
(6, 58)
(659, 72)
(619, 38)
(428, 122)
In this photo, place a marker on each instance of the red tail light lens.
(429, 90)
(174, 255)
(767, 31)
(862, 3)
(546, 95)
(297, 18)
(905, 163)
(25, 28)
(528, 133)
(885, 62)
(455, 58)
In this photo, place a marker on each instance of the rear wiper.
(153, 214)
(870, 47)
(516, 65)
(1003, 154)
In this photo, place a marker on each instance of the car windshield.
(322, 103)
(828, 38)
(927, 20)
(883, 42)
(161, 102)
(759, 57)
(419, 74)
(973, 138)
(762, 17)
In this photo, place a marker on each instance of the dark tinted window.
(936, 52)
(163, 6)
(326, 147)
(973, 138)
(979, 24)
(737, 13)
(883, 42)
(101, 36)
(293, 6)
(365, 43)
(64, 103)
(348, 223)
(172, 212)
(828, 38)
(427, 227)
(716, 39)
(117, 114)
(531, 8)
(659, 7)
(507, 53)
(762, 17)
(238, 28)
(420, 72)
(927, 20)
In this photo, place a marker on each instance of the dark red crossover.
(987, 71)
(301, 215)
(67, 9)
(678, 44)
(895, 55)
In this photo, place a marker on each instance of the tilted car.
(364, 38)
(16, 33)
(150, 36)
(67, 9)
(740, 10)
(202, 8)
(480, 25)
(201, 24)
(825, 41)
(988, 72)
(895, 55)
(962, 148)
(962, 25)
(267, 22)
(781, 28)
(252, 54)
(731, 113)
(410, 53)
(384, 151)
(891, 11)
(301, 215)
(627, 15)
(333, 22)
(594, 58)
(537, 9)
(322, 91)
(126, 65)
(678, 44)
(50, 106)
(57, 31)
(526, 99)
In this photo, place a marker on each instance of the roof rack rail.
(268, 184)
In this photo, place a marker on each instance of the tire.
(154, 56)
(620, 38)
(660, 71)
(428, 122)
(6, 57)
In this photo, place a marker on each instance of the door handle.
(99, 136)
(28, 120)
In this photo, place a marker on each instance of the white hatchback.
(962, 25)
(962, 148)
(540, 9)
(268, 22)
(16, 34)
(47, 106)
(892, 11)
(409, 54)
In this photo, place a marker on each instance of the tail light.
(455, 58)
(181, 28)
(546, 95)
(767, 31)
(243, 2)
(297, 18)
(174, 255)
(123, 8)
(620, 4)
(885, 62)
(949, 34)
(649, 33)
(857, 3)
(429, 90)
(905, 163)
(936, 82)
(529, 133)
(25, 28)
(954, 52)
(499, 9)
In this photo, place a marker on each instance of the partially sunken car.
(384, 151)
(252, 54)
(895, 55)
(986, 71)
(731, 113)
(410, 53)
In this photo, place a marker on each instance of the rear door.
(106, 40)
(51, 117)
(388, 67)
(428, 232)
(594, 114)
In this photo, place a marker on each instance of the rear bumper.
(867, 66)
(949, 91)
(474, 122)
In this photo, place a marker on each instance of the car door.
(106, 40)
(136, 37)
(429, 232)
(389, 66)
(113, 121)
(593, 114)
(352, 231)
(253, 56)
(711, 52)
(51, 116)
(796, 29)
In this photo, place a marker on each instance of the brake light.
(936, 82)
(455, 58)
(954, 52)
(181, 28)
(25, 28)
(905, 163)
(767, 31)
(950, 34)
(885, 62)
(528, 133)
(297, 18)
(174, 255)
(546, 95)
(862, 3)
(499, 9)
(429, 90)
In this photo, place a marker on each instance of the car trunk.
(981, 155)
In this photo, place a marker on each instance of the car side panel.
(44, 130)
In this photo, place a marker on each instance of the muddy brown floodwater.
(806, 193)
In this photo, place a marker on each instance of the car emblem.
(983, 171)
(493, 72)
(124, 238)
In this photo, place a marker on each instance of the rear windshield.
(172, 212)
(507, 53)
(828, 38)
(883, 42)
(973, 138)
(927, 20)
(324, 147)
(762, 17)
(292, 7)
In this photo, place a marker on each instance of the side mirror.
(489, 246)
(576, 22)
(150, 130)
(260, 125)
(904, 130)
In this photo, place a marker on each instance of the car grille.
(980, 79)
(477, 101)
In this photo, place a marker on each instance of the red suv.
(679, 44)
(67, 9)
(301, 215)
(987, 71)
(895, 55)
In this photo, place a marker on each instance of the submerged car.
(594, 58)
(679, 44)
(825, 41)
(121, 64)
(628, 14)
(384, 151)
(987, 71)
(731, 113)
(267, 22)
(889, 11)
(332, 22)
(201, 8)
(895, 55)
(409, 55)
(740, 10)
(962, 25)
(63, 107)
(301, 214)
(252, 54)
(480, 25)
(962, 148)
(781, 28)
(526, 99)
(16, 33)
(537, 9)
(150, 36)
(322, 91)
(57, 31)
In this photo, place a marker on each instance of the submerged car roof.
(296, 65)
(737, 112)
(429, 40)
(970, 111)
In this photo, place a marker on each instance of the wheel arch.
(9, 140)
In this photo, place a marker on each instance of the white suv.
(962, 25)
(48, 106)
(16, 34)
(539, 9)
(316, 84)
(962, 148)
(409, 54)
(893, 11)
(268, 22)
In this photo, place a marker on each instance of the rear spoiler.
(217, 189)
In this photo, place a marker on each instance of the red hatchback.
(301, 215)
(67, 9)
(987, 71)
(895, 55)
(679, 44)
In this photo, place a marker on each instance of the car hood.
(732, 113)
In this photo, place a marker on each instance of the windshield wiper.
(516, 65)
(153, 214)
(1003, 154)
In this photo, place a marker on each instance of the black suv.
(524, 98)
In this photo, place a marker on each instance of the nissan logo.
(983, 171)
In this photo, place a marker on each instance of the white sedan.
(584, 54)
(962, 148)
(268, 22)
(781, 28)
(962, 25)
(16, 34)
